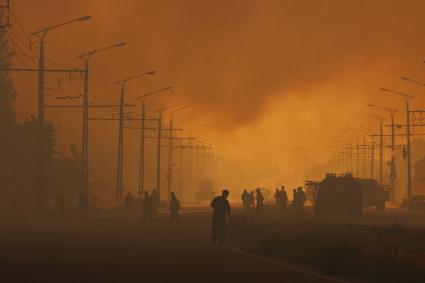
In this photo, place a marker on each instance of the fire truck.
(345, 195)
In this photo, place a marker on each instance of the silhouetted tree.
(18, 150)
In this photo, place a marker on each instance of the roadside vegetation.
(390, 253)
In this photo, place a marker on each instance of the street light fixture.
(85, 146)
(381, 148)
(120, 160)
(142, 136)
(409, 160)
(413, 81)
(41, 34)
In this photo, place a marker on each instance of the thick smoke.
(260, 73)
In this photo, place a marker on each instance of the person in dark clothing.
(278, 198)
(221, 207)
(147, 207)
(174, 208)
(245, 199)
(284, 198)
(301, 198)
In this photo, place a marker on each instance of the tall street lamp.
(41, 35)
(83, 194)
(392, 174)
(122, 83)
(409, 162)
(142, 136)
(381, 147)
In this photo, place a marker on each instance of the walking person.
(284, 198)
(174, 208)
(221, 207)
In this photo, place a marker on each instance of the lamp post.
(392, 174)
(170, 150)
(409, 162)
(141, 186)
(83, 194)
(120, 161)
(381, 147)
(41, 35)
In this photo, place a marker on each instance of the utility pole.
(170, 151)
(120, 159)
(142, 137)
(7, 8)
(372, 159)
(358, 159)
(381, 153)
(170, 160)
(392, 168)
(123, 83)
(158, 156)
(409, 164)
(41, 154)
(409, 161)
(85, 137)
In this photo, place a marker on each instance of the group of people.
(252, 200)
(299, 198)
(281, 198)
(150, 203)
(221, 207)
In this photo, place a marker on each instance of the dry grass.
(391, 253)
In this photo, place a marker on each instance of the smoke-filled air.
(258, 141)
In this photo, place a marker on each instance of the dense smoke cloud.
(314, 64)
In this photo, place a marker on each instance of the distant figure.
(260, 200)
(245, 199)
(278, 197)
(251, 200)
(221, 207)
(147, 206)
(155, 201)
(301, 198)
(174, 208)
(284, 198)
(129, 202)
(60, 202)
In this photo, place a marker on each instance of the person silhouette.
(245, 199)
(174, 208)
(221, 207)
(260, 200)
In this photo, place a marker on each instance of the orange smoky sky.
(274, 80)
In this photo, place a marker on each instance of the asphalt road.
(121, 248)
